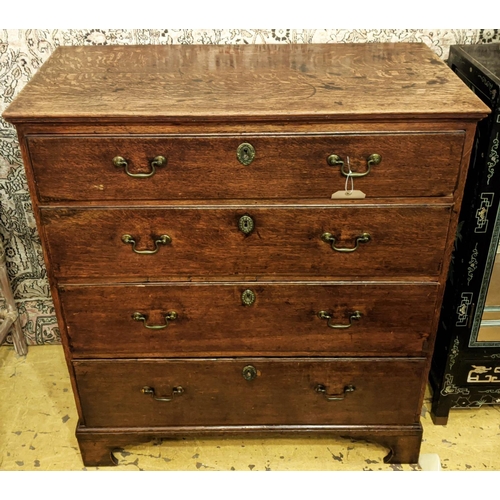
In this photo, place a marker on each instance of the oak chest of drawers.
(205, 280)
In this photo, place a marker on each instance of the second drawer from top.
(159, 244)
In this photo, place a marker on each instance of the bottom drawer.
(249, 391)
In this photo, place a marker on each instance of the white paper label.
(355, 194)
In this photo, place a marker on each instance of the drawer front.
(216, 392)
(284, 167)
(279, 319)
(103, 243)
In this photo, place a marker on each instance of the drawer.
(279, 319)
(216, 392)
(103, 243)
(207, 167)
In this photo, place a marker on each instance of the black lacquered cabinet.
(465, 369)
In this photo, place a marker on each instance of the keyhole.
(246, 224)
(245, 153)
(249, 372)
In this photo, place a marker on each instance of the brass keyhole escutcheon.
(245, 153)
(248, 297)
(249, 372)
(246, 224)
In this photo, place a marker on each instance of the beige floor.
(38, 418)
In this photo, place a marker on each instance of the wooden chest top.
(244, 83)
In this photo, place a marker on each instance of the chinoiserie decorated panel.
(466, 365)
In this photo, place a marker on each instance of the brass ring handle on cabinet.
(356, 315)
(170, 316)
(336, 160)
(329, 238)
(150, 391)
(321, 389)
(157, 161)
(164, 239)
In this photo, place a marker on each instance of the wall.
(22, 52)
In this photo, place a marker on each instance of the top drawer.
(207, 167)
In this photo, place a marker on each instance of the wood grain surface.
(235, 82)
(217, 394)
(98, 444)
(405, 241)
(206, 167)
(283, 321)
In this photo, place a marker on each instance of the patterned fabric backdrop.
(22, 52)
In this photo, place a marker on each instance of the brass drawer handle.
(329, 238)
(164, 239)
(170, 316)
(336, 160)
(356, 315)
(321, 389)
(157, 161)
(150, 391)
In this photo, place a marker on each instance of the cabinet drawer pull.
(329, 238)
(157, 161)
(164, 239)
(321, 389)
(150, 391)
(170, 316)
(336, 160)
(356, 315)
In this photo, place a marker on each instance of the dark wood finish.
(288, 99)
(244, 82)
(206, 168)
(216, 393)
(405, 241)
(464, 362)
(283, 321)
(97, 445)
